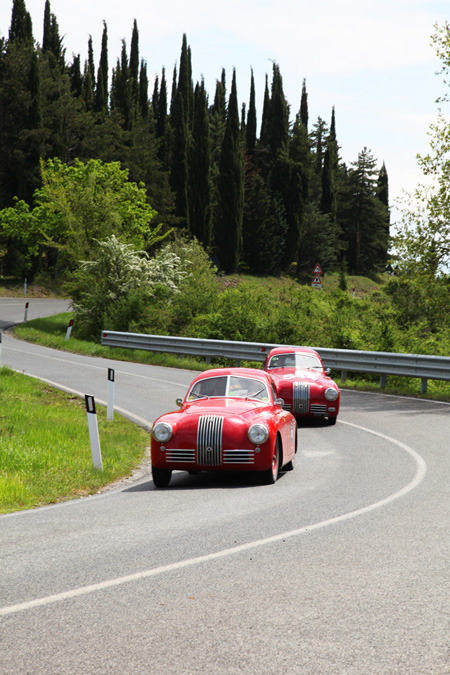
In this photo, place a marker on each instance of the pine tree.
(228, 231)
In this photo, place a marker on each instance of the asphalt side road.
(342, 567)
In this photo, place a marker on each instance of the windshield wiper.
(255, 395)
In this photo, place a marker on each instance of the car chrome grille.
(209, 440)
(185, 456)
(319, 409)
(300, 398)
(286, 406)
(238, 456)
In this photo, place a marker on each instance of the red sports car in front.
(303, 383)
(230, 420)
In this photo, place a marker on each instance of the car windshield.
(229, 386)
(295, 360)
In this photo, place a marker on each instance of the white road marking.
(182, 564)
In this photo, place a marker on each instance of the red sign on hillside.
(317, 269)
(317, 281)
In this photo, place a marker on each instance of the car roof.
(292, 350)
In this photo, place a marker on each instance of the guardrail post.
(0, 348)
(238, 363)
(207, 360)
(93, 432)
(110, 411)
(69, 329)
(383, 381)
(423, 385)
(343, 376)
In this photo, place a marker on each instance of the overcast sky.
(371, 59)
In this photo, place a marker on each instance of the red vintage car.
(230, 420)
(303, 383)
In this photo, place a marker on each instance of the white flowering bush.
(114, 291)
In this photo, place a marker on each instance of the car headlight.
(162, 432)
(258, 434)
(331, 394)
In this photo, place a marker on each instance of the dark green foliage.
(301, 203)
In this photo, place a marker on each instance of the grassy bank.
(45, 454)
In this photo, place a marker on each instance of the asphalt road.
(341, 567)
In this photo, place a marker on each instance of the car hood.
(293, 374)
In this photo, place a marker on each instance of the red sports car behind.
(303, 383)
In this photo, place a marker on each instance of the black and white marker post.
(69, 329)
(26, 312)
(93, 432)
(0, 349)
(110, 410)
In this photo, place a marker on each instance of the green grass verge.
(45, 452)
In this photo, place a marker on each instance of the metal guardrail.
(346, 360)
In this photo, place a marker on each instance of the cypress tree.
(134, 63)
(90, 62)
(143, 90)
(179, 163)
(228, 233)
(46, 37)
(251, 119)
(200, 195)
(161, 118)
(21, 28)
(76, 80)
(101, 92)
(279, 115)
(304, 106)
(185, 81)
(265, 120)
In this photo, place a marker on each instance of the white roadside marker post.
(93, 432)
(25, 286)
(110, 412)
(26, 311)
(69, 329)
(0, 348)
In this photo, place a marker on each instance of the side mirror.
(179, 401)
(280, 402)
(327, 371)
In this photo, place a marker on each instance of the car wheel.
(332, 421)
(161, 477)
(270, 475)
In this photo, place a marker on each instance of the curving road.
(342, 567)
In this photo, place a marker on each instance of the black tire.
(270, 475)
(332, 421)
(161, 477)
